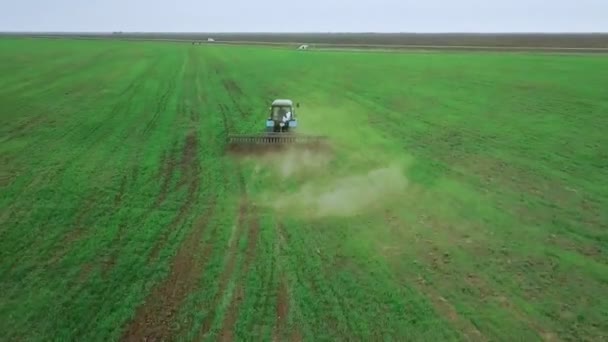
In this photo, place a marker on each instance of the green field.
(461, 199)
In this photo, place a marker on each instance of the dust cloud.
(346, 196)
(293, 161)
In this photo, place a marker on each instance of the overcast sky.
(305, 15)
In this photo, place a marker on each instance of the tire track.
(189, 167)
(235, 92)
(76, 233)
(121, 190)
(24, 127)
(248, 218)
(230, 264)
(167, 166)
(264, 302)
(232, 252)
(155, 320)
(282, 304)
(240, 291)
(284, 311)
(336, 321)
(160, 108)
(327, 290)
(127, 130)
(131, 174)
(170, 158)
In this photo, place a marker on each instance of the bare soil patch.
(240, 292)
(188, 163)
(232, 87)
(76, 233)
(26, 126)
(168, 165)
(282, 311)
(190, 170)
(155, 318)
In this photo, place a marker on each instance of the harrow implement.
(272, 138)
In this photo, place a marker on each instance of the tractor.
(280, 129)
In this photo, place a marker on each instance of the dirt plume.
(345, 196)
(291, 161)
(295, 161)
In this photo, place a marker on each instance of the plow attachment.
(270, 140)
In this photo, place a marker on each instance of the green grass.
(462, 199)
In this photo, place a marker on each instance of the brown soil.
(252, 238)
(155, 318)
(589, 250)
(190, 171)
(281, 312)
(446, 309)
(233, 88)
(361, 40)
(121, 190)
(85, 271)
(296, 336)
(283, 308)
(168, 164)
(110, 262)
(76, 233)
(188, 163)
(239, 295)
(24, 128)
(227, 333)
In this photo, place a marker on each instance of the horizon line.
(306, 32)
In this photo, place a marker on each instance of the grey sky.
(306, 15)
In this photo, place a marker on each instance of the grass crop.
(462, 197)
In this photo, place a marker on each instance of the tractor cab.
(282, 116)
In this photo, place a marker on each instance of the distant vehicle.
(303, 47)
(210, 40)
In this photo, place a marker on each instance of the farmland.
(461, 199)
(445, 40)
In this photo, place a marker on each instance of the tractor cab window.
(278, 112)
